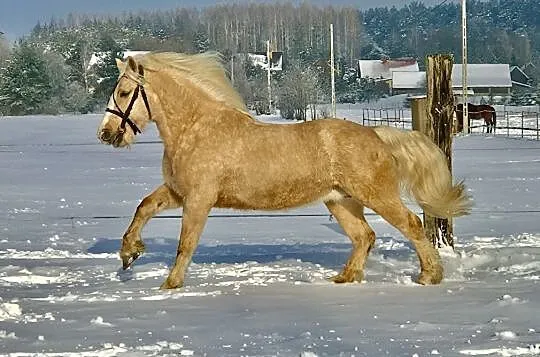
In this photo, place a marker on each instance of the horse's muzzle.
(106, 136)
(109, 137)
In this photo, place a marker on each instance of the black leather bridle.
(125, 115)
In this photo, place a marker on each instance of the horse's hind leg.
(392, 209)
(132, 245)
(350, 215)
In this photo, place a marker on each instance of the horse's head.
(128, 110)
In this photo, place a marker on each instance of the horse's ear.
(141, 69)
(132, 64)
(121, 65)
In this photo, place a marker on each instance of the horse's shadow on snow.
(329, 255)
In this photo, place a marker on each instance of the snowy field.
(257, 285)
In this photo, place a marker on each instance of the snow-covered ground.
(257, 285)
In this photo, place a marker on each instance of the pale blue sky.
(18, 17)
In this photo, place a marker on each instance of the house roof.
(408, 80)
(382, 69)
(478, 76)
(519, 84)
(516, 68)
(519, 77)
(483, 75)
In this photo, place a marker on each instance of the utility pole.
(269, 57)
(464, 87)
(332, 70)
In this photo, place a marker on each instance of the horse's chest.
(180, 174)
(169, 175)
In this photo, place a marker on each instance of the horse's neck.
(185, 109)
(172, 115)
(182, 112)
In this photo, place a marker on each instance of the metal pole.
(537, 132)
(232, 69)
(332, 70)
(464, 87)
(522, 123)
(269, 57)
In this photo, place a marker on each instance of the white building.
(482, 80)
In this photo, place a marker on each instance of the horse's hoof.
(430, 278)
(129, 253)
(168, 286)
(348, 277)
(338, 279)
(341, 279)
(127, 260)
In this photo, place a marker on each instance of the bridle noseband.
(125, 115)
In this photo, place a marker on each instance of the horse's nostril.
(105, 135)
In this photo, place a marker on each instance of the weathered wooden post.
(434, 117)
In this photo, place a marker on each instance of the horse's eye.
(123, 94)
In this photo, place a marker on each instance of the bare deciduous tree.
(299, 90)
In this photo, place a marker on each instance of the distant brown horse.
(217, 155)
(482, 111)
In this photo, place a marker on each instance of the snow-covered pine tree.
(106, 72)
(25, 83)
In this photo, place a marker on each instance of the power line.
(287, 215)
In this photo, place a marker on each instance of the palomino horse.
(482, 111)
(217, 155)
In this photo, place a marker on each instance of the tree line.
(48, 71)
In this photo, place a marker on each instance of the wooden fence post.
(434, 117)
(419, 113)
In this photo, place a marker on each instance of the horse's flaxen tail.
(424, 173)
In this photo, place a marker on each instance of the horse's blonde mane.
(204, 70)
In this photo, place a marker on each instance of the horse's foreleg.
(132, 245)
(350, 215)
(194, 218)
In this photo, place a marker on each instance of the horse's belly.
(278, 199)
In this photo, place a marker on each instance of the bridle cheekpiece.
(125, 115)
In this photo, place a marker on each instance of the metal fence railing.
(396, 117)
(522, 124)
(510, 123)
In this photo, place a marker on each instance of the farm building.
(408, 82)
(381, 70)
(260, 59)
(483, 80)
